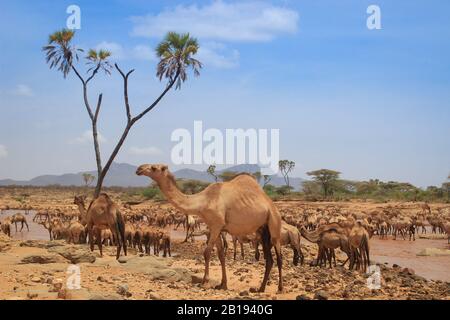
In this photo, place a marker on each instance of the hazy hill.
(124, 175)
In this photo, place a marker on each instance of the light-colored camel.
(80, 202)
(6, 226)
(76, 232)
(102, 214)
(19, 218)
(239, 206)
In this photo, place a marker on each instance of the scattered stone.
(43, 259)
(253, 290)
(321, 295)
(123, 290)
(154, 296)
(302, 297)
(243, 293)
(75, 254)
(36, 279)
(31, 295)
(434, 252)
(408, 271)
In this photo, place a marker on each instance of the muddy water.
(401, 252)
(404, 253)
(37, 232)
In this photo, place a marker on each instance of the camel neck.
(186, 203)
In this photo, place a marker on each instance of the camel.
(446, 227)
(76, 232)
(359, 246)
(6, 226)
(252, 239)
(102, 214)
(328, 238)
(18, 217)
(79, 201)
(239, 206)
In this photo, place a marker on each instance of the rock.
(253, 290)
(408, 271)
(104, 297)
(36, 279)
(154, 296)
(196, 279)
(43, 259)
(42, 244)
(302, 297)
(75, 254)
(434, 252)
(122, 259)
(64, 294)
(395, 266)
(56, 285)
(123, 290)
(243, 293)
(31, 295)
(321, 295)
(101, 279)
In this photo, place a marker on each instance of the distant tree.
(284, 190)
(176, 56)
(267, 179)
(228, 175)
(326, 178)
(286, 167)
(88, 179)
(212, 171)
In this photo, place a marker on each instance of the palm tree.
(99, 60)
(176, 53)
(60, 52)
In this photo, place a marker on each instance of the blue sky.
(369, 103)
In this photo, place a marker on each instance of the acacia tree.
(212, 171)
(267, 179)
(326, 178)
(88, 179)
(175, 52)
(286, 167)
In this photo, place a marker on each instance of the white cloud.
(217, 55)
(116, 49)
(148, 151)
(23, 90)
(139, 52)
(143, 52)
(3, 151)
(86, 137)
(219, 20)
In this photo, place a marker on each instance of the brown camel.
(290, 236)
(102, 214)
(239, 206)
(18, 217)
(359, 246)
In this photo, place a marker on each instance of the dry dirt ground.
(39, 269)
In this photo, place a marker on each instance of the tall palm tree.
(176, 52)
(99, 60)
(60, 52)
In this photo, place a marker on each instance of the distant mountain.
(124, 175)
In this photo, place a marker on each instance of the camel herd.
(238, 209)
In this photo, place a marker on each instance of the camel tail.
(121, 230)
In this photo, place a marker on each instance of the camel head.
(156, 172)
(79, 200)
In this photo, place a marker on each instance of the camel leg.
(242, 251)
(99, 241)
(15, 223)
(266, 243)
(187, 232)
(221, 254)
(235, 248)
(21, 226)
(277, 246)
(213, 235)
